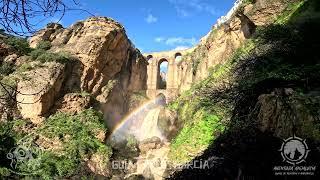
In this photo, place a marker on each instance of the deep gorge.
(88, 104)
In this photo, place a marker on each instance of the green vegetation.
(132, 144)
(53, 57)
(7, 141)
(44, 45)
(249, 1)
(25, 67)
(195, 136)
(138, 96)
(21, 45)
(69, 141)
(8, 86)
(288, 13)
(45, 56)
(6, 69)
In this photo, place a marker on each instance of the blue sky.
(157, 25)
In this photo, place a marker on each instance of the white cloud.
(177, 41)
(180, 48)
(159, 39)
(188, 8)
(151, 19)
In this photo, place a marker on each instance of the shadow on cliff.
(275, 81)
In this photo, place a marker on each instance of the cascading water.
(142, 123)
(149, 127)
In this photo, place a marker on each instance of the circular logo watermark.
(24, 155)
(294, 150)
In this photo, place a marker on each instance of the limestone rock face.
(97, 165)
(220, 43)
(284, 111)
(45, 34)
(108, 66)
(100, 44)
(72, 103)
(247, 26)
(38, 90)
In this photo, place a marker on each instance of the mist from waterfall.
(141, 123)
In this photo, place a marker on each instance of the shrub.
(52, 57)
(24, 67)
(6, 69)
(8, 87)
(36, 53)
(77, 136)
(44, 45)
(6, 143)
(45, 56)
(21, 45)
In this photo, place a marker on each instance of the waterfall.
(142, 123)
(149, 126)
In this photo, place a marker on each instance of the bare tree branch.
(20, 17)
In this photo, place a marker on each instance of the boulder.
(150, 143)
(38, 89)
(11, 59)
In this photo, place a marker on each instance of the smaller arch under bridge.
(171, 89)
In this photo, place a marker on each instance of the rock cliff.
(102, 61)
(222, 41)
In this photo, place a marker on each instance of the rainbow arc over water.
(131, 124)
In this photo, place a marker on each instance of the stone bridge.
(153, 80)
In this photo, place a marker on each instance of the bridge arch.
(161, 99)
(149, 57)
(178, 57)
(162, 74)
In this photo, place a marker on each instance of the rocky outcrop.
(284, 112)
(98, 166)
(247, 26)
(38, 89)
(150, 143)
(221, 42)
(102, 47)
(107, 64)
(72, 103)
(168, 123)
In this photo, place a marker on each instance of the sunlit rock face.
(221, 42)
(39, 89)
(107, 64)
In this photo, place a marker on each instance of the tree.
(19, 17)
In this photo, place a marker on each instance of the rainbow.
(123, 125)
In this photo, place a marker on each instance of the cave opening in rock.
(162, 74)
